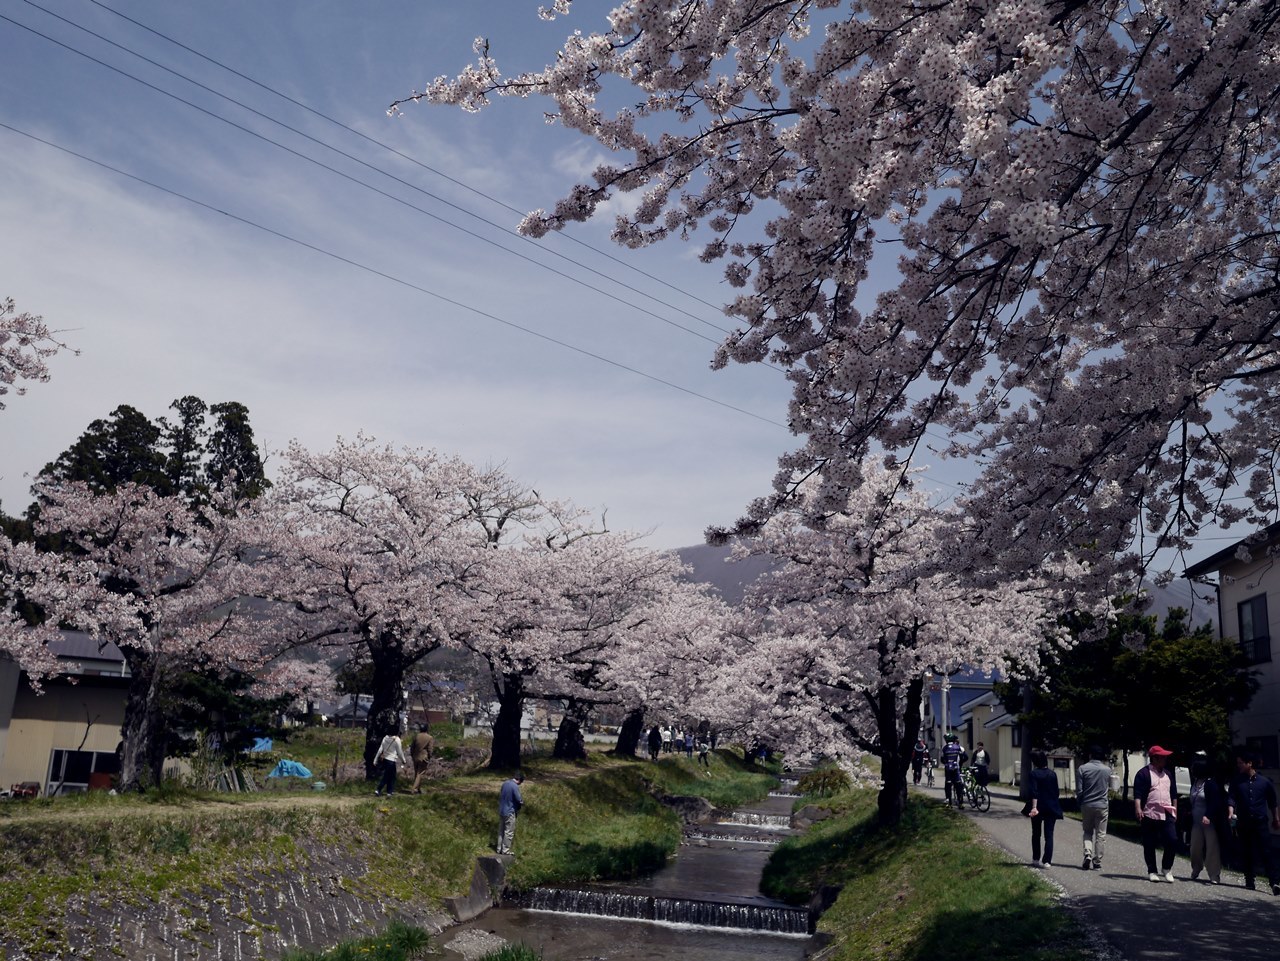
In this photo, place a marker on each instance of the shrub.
(825, 782)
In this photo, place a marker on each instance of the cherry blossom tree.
(164, 582)
(555, 606)
(1080, 202)
(25, 344)
(856, 617)
(372, 551)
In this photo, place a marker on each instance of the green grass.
(596, 820)
(399, 942)
(513, 952)
(926, 890)
(729, 784)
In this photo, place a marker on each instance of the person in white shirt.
(390, 755)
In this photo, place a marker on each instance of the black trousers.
(1155, 833)
(1255, 849)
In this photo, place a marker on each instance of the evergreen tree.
(123, 448)
(232, 451)
(184, 440)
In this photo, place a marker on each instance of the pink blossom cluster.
(25, 344)
(1079, 200)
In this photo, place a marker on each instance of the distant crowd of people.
(670, 739)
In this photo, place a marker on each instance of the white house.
(1246, 577)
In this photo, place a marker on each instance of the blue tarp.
(261, 744)
(289, 769)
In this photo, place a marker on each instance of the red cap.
(1158, 751)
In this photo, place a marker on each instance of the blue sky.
(165, 298)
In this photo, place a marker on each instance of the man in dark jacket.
(1251, 808)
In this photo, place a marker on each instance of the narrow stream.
(704, 905)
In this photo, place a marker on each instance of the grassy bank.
(926, 890)
(581, 822)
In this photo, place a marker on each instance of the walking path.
(1140, 920)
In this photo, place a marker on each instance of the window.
(1268, 746)
(71, 772)
(1017, 735)
(1255, 635)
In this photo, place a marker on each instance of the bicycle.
(976, 794)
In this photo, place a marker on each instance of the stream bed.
(704, 905)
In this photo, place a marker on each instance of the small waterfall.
(663, 910)
(736, 838)
(773, 822)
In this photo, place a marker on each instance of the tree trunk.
(897, 739)
(143, 734)
(570, 744)
(506, 727)
(629, 733)
(387, 699)
(1124, 786)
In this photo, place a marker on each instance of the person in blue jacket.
(510, 801)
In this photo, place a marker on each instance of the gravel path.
(1133, 917)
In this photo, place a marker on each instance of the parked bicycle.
(976, 794)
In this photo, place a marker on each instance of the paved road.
(1137, 919)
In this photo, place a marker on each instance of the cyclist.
(953, 757)
(919, 758)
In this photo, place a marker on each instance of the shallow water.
(718, 862)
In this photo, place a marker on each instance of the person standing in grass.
(1251, 808)
(1093, 791)
(390, 756)
(510, 801)
(704, 750)
(420, 750)
(1155, 800)
(1043, 807)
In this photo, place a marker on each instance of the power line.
(364, 163)
(346, 176)
(404, 156)
(394, 279)
(376, 169)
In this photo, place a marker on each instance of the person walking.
(655, 742)
(919, 755)
(688, 744)
(421, 748)
(953, 757)
(666, 739)
(1155, 803)
(1252, 811)
(1043, 807)
(1208, 822)
(704, 750)
(1093, 792)
(390, 755)
(510, 801)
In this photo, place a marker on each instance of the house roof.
(79, 646)
(1216, 562)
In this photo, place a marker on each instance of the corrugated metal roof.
(79, 646)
